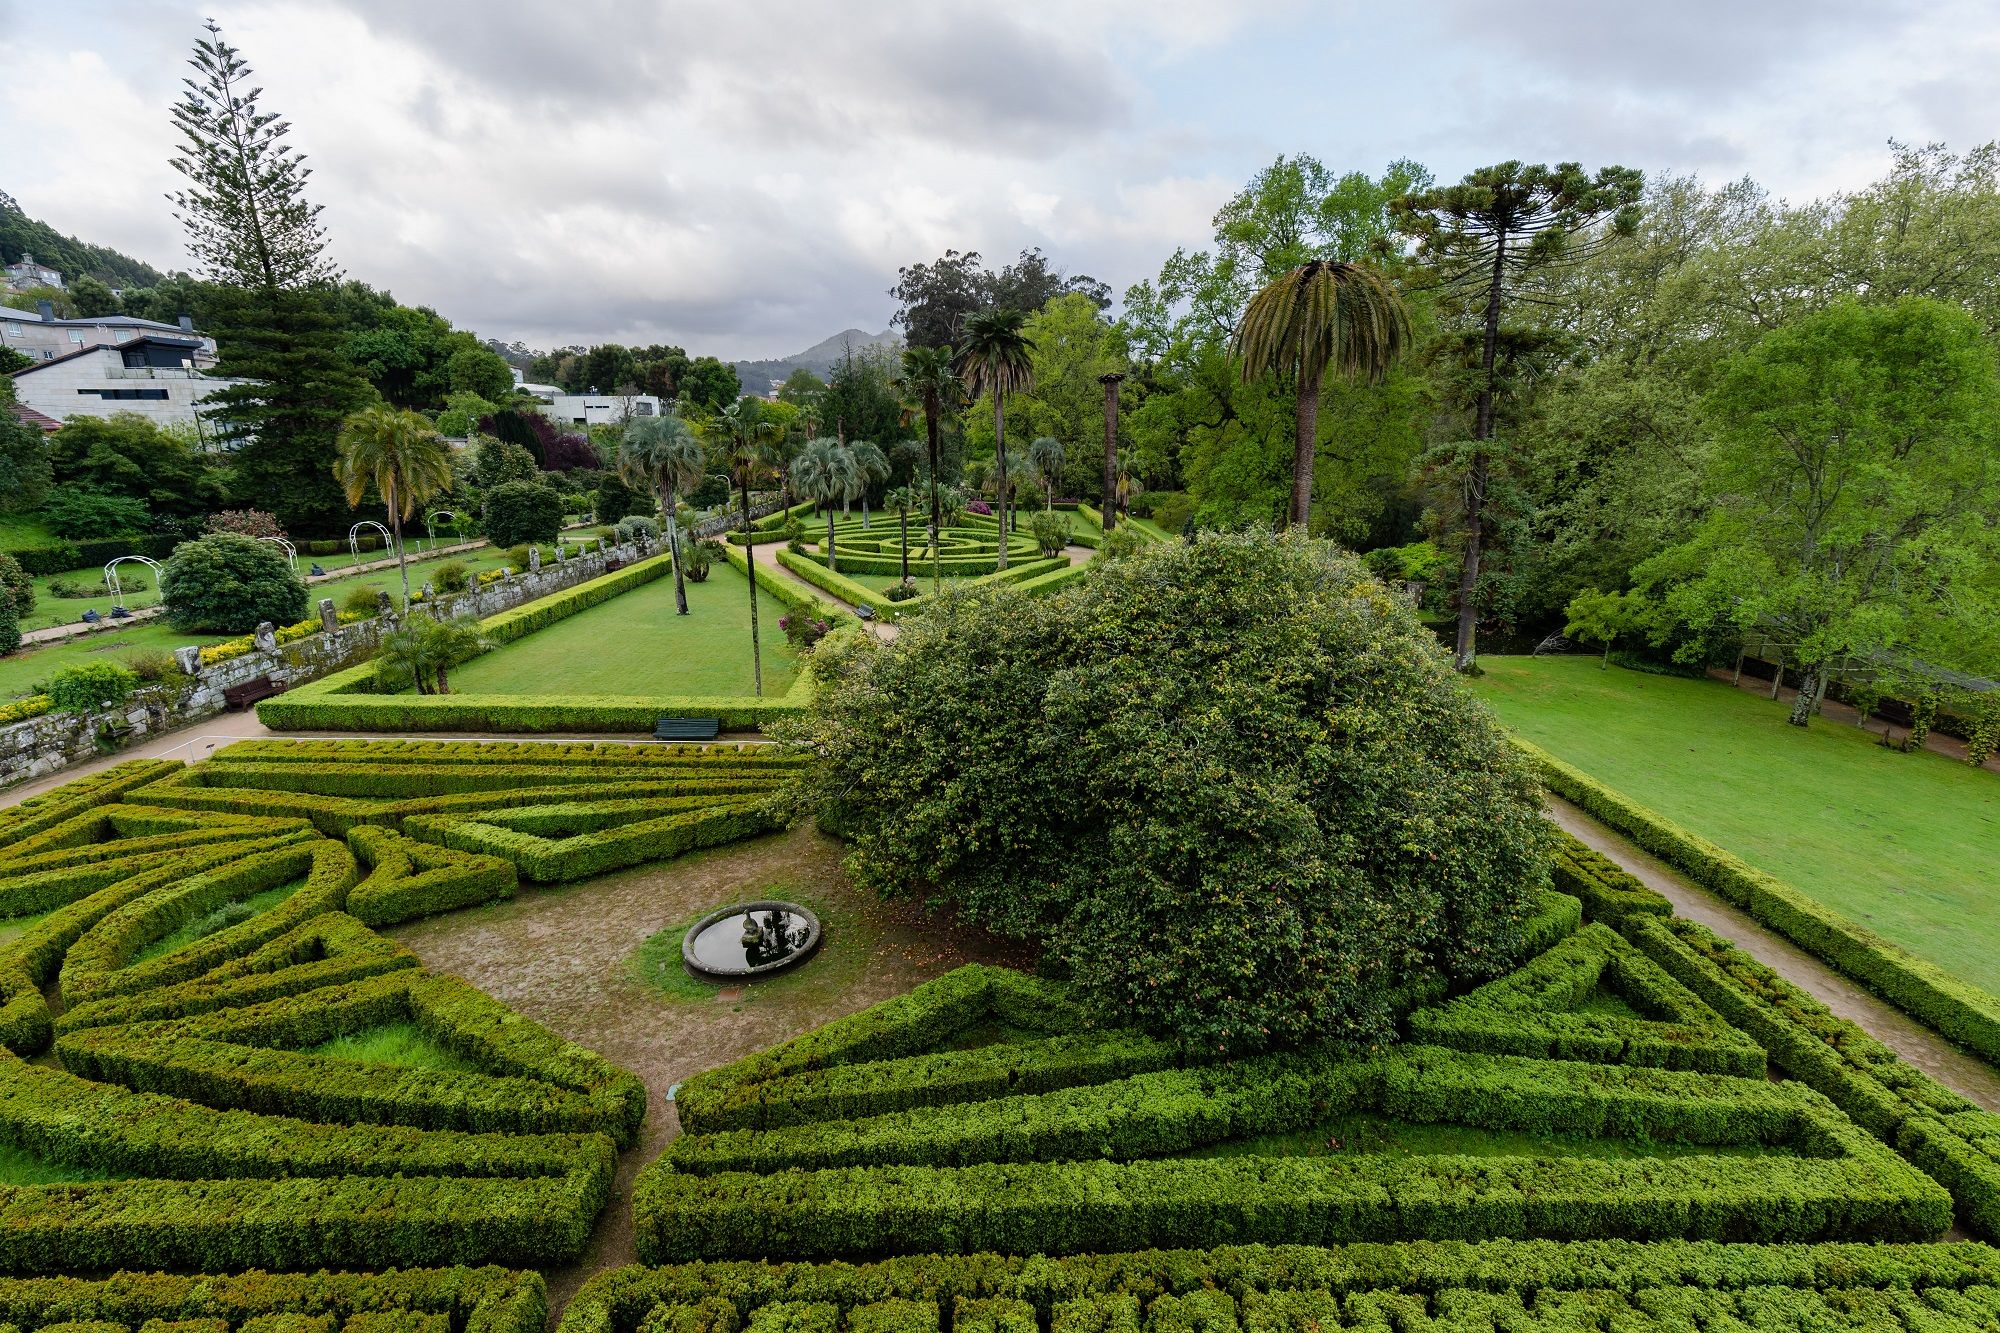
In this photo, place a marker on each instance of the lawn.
(1902, 843)
(636, 644)
(21, 671)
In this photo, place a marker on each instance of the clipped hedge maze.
(189, 965)
(449, 1300)
(969, 549)
(1420, 1287)
(980, 1113)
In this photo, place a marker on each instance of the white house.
(25, 273)
(598, 409)
(154, 375)
(40, 335)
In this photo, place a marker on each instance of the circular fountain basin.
(750, 940)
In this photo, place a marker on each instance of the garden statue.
(429, 591)
(265, 637)
(534, 559)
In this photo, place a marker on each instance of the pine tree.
(253, 232)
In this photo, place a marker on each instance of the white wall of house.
(100, 385)
(600, 409)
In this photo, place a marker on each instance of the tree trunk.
(444, 685)
(1736, 676)
(1777, 679)
(1805, 702)
(750, 568)
(931, 446)
(906, 546)
(832, 557)
(674, 549)
(1466, 656)
(1605, 665)
(1000, 452)
(1307, 423)
(1110, 513)
(396, 522)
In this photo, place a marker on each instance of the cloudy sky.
(744, 177)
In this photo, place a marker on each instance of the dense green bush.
(521, 511)
(1251, 801)
(226, 583)
(87, 687)
(477, 1300)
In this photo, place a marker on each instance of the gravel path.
(1964, 1074)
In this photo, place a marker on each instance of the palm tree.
(870, 466)
(1323, 315)
(1046, 453)
(747, 435)
(402, 457)
(826, 471)
(663, 453)
(422, 651)
(1021, 476)
(1110, 380)
(996, 360)
(929, 378)
(902, 499)
(1126, 485)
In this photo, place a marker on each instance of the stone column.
(534, 559)
(329, 619)
(189, 659)
(265, 637)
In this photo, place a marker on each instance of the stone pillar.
(534, 559)
(189, 659)
(383, 606)
(265, 637)
(329, 619)
(559, 553)
(429, 591)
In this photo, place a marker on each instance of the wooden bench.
(250, 691)
(686, 728)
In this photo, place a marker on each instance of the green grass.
(636, 644)
(1366, 1133)
(20, 1167)
(11, 927)
(402, 1044)
(220, 919)
(657, 963)
(22, 671)
(1902, 843)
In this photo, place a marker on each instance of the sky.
(744, 179)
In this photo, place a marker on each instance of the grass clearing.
(1902, 843)
(404, 1045)
(21, 1167)
(222, 918)
(636, 643)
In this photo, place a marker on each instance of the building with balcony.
(158, 376)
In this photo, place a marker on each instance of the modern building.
(599, 409)
(26, 273)
(156, 375)
(40, 335)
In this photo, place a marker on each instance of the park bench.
(686, 728)
(250, 691)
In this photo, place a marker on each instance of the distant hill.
(820, 358)
(21, 234)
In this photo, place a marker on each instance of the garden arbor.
(111, 577)
(291, 551)
(389, 543)
(431, 526)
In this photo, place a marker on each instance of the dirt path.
(564, 957)
(1962, 1073)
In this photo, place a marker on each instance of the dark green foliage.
(10, 619)
(613, 499)
(226, 583)
(1239, 711)
(521, 511)
(87, 687)
(24, 452)
(128, 457)
(78, 512)
(478, 1300)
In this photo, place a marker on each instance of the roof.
(28, 416)
(108, 321)
(192, 344)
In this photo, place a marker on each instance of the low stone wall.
(45, 744)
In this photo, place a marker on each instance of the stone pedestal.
(265, 637)
(329, 619)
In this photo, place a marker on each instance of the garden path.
(1964, 1074)
(1833, 712)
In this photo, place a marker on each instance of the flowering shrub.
(979, 507)
(32, 706)
(249, 522)
(803, 631)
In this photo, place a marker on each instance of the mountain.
(21, 234)
(758, 376)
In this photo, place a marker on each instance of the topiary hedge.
(226, 583)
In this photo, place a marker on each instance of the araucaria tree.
(1262, 836)
(1855, 478)
(253, 233)
(997, 360)
(1325, 315)
(401, 457)
(663, 452)
(1484, 239)
(928, 377)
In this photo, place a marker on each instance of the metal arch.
(291, 551)
(430, 525)
(111, 576)
(354, 538)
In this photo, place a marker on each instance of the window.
(149, 395)
(13, 328)
(48, 354)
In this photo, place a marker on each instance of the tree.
(929, 378)
(902, 499)
(1045, 455)
(78, 513)
(1322, 315)
(521, 511)
(747, 436)
(664, 453)
(227, 583)
(997, 360)
(475, 370)
(827, 472)
(92, 297)
(401, 458)
(938, 299)
(495, 462)
(1321, 751)
(1484, 237)
(24, 458)
(613, 499)
(128, 456)
(422, 650)
(1110, 380)
(1605, 617)
(252, 231)
(1854, 478)
(871, 468)
(249, 522)
(709, 384)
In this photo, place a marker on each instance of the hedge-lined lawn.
(1902, 843)
(21, 671)
(636, 644)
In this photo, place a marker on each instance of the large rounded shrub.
(521, 511)
(225, 583)
(1231, 786)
